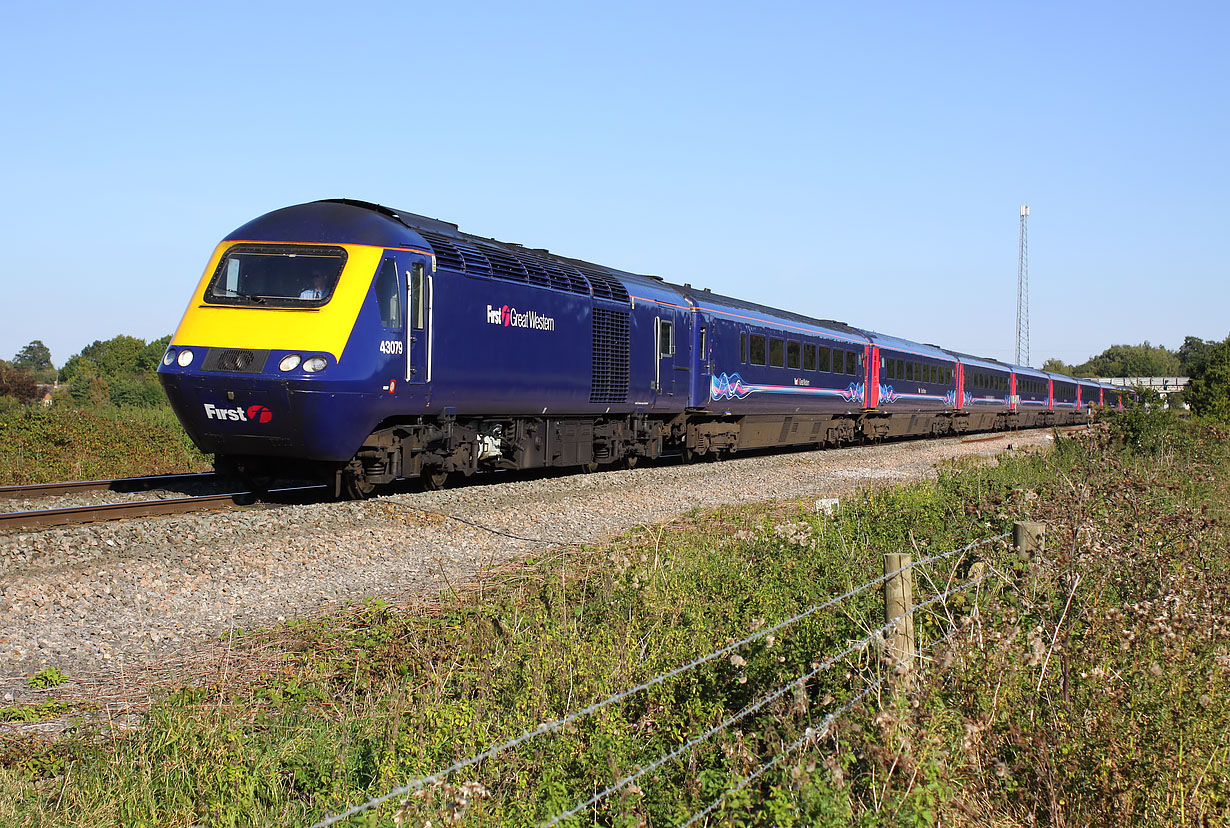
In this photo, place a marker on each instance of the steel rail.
(122, 484)
(148, 508)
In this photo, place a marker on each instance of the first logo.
(252, 414)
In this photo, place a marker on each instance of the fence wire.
(808, 734)
(875, 634)
(556, 724)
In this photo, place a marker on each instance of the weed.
(49, 677)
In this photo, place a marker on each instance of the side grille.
(512, 264)
(605, 286)
(609, 382)
(235, 361)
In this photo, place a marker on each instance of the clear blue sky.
(856, 161)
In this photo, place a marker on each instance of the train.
(345, 340)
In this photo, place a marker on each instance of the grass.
(1063, 698)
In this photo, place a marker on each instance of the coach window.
(777, 353)
(388, 295)
(809, 357)
(757, 350)
(889, 365)
(743, 347)
(792, 355)
(851, 363)
(825, 364)
(666, 339)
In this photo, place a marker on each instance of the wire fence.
(876, 635)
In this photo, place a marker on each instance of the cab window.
(388, 295)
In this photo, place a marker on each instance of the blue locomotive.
(369, 344)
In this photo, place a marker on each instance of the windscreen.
(276, 276)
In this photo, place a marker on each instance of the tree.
(1058, 366)
(120, 370)
(19, 384)
(1191, 353)
(1209, 394)
(108, 358)
(1142, 360)
(35, 359)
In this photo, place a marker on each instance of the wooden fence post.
(899, 605)
(1029, 538)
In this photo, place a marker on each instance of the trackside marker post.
(899, 610)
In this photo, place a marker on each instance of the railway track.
(124, 484)
(95, 512)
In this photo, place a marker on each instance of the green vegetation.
(119, 372)
(1088, 686)
(40, 445)
(1209, 395)
(108, 417)
(1142, 360)
(50, 677)
(34, 713)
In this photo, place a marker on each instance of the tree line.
(119, 372)
(1142, 360)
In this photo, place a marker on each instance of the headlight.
(316, 363)
(185, 358)
(289, 363)
(168, 357)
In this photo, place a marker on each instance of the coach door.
(666, 330)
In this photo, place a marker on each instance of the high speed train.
(348, 340)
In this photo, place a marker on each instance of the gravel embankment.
(110, 599)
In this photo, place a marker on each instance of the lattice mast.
(1022, 291)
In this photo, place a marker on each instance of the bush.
(39, 445)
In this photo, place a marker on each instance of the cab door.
(401, 291)
(418, 322)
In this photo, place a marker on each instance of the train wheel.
(630, 461)
(356, 488)
(434, 478)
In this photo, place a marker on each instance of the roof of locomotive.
(347, 221)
